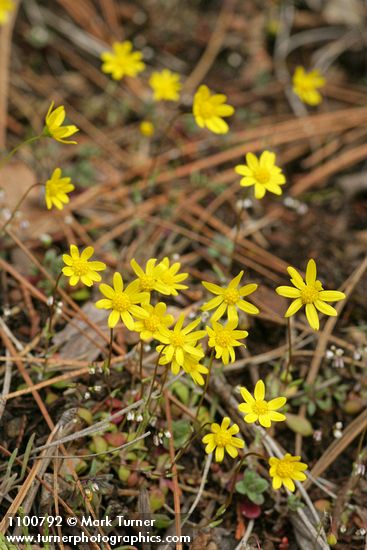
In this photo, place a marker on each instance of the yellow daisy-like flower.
(309, 294)
(229, 298)
(146, 128)
(305, 85)
(148, 279)
(209, 110)
(151, 320)
(256, 408)
(54, 128)
(122, 61)
(262, 173)
(222, 439)
(193, 367)
(190, 366)
(6, 7)
(224, 339)
(122, 302)
(285, 470)
(166, 85)
(77, 266)
(56, 189)
(180, 341)
(170, 280)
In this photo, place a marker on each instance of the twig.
(204, 477)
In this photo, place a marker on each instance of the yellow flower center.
(285, 469)
(310, 293)
(262, 175)
(80, 267)
(178, 340)
(147, 283)
(260, 407)
(152, 323)
(231, 296)
(222, 438)
(52, 189)
(120, 302)
(224, 338)
(207, 109)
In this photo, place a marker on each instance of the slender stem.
(50, 319)
(107, 365)
(289, 360)
(236, 235)
(7, 157)
(153, 380)
(141, 360)
(206, 384)
(17, 206)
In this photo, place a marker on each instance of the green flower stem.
(206, 384)
(141, 360)
(108, 363)
(290, 358)
(13, 151)
(17, 206)
(153, 381)
(50, 319)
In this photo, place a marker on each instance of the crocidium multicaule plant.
(151, 320)
(123, 302)
(222, 440)
(256, 408)
(209, 110)
(57, 189)
(146, 128)
(170, 280)
(224, 338)
(286, 470)
(229, 299)
(261, 173)
(180, 341)
(54, 128)
(6, 7)
(191, 365)
(309, 293)
(166, 85)
(122, 61)
(79, 268)
(306, 84)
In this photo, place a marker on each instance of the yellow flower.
(193, 367)
(180, 341)
(6, 7)
(285, 470)
(148, 279)
(78, 267)
(122, 302)
(165, 85)
(54, 128)
(208, 110)
(56, 190)
(146, 128)
(122, 61)
(169, 280)
(310, 294)
(151, 320)
(256, 408)
(221, 439)
(305, 85)
(224, 340)
(262, 173)
(190, 366)
(229, 298)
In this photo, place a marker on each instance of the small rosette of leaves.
(253, 486)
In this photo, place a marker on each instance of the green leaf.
(299, 425)
(181, 432)
(182, 392)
